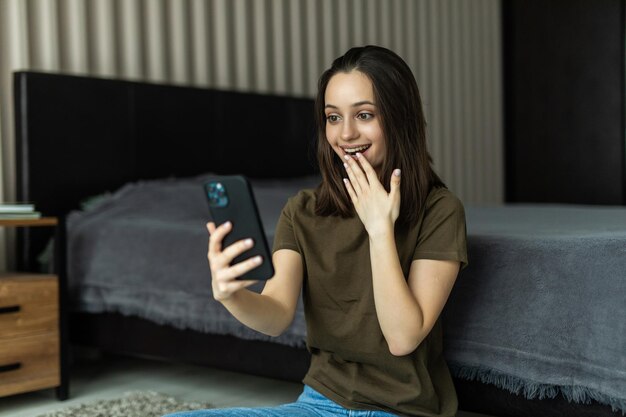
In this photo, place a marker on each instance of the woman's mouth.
(352, 150)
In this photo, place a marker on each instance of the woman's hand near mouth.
(377, 209)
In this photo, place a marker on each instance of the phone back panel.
(231, 199)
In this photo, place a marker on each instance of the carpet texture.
(131, 404)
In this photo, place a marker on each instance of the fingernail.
(345, 180)
(248, 242)
(227, 224)
(258, 260)
(396, 172)
(358, 155)
(345, 165)
(346, 157)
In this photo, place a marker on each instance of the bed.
(535, 325)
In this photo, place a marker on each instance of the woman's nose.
(348, 130)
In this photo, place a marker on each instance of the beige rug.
(130, 404)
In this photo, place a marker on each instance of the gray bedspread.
(142, 251)
(541, 308)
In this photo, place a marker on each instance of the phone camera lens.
(217, 194)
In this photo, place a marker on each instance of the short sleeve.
(443, 233)
(284, 235)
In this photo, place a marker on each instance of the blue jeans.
(309, 404)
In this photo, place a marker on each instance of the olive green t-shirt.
(350, 359)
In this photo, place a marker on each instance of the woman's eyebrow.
(360, 103)
(357, 104)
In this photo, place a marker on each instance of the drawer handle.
(10, 367)
(9, 309)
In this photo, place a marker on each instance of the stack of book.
(18, 211)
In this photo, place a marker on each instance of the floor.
(96, 377)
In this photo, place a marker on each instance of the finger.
(236, 249)
(394, 184)
(235, 286)
(215, 239)
(227, 289)
(372, 178)
(351, 192)
(359, 174)
(238, 285)
(237, 270)
(211, 228)
(352, 175)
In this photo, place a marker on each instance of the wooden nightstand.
(33, 336)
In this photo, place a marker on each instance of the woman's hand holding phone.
(224, 276)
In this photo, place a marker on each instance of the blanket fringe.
(531, 390)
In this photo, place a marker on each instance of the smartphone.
(231, 199)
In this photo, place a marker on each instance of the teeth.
(358, 149)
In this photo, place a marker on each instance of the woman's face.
(352, 118)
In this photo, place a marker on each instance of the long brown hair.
(404, 127)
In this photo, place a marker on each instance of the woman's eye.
(332, 118)
(364, 116)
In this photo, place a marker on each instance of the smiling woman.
(374, 256)
(369, 97)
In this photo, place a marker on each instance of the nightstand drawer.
(28, 304)
(29, 363)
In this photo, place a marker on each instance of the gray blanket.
(541, 308)
(142, 250)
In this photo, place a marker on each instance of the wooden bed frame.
(80, 136)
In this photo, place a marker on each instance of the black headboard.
(80, 136)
